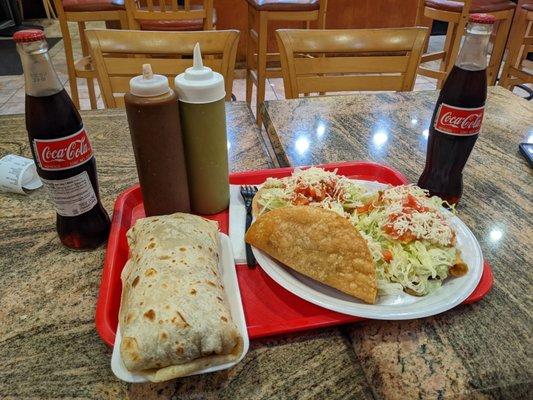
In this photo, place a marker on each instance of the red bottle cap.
(482, 19)
(29, 35)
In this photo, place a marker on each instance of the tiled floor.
(12, 87)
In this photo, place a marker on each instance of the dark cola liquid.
(55, 116)
(447, 154)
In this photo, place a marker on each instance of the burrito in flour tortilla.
(174, 315)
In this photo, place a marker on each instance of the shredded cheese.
(429, 225)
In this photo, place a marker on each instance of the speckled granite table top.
(49, 348)
(482, 350)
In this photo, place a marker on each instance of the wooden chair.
(170, 15)
(455, 13)
(261, 13)
(348, 60)
(119, 55)
(82, 12)
(519, 44)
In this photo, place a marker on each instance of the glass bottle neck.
(40, 78)
(473, 54)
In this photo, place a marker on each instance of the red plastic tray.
(269, 308)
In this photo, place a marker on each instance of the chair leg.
(453, 52)
(85, 52)
(71, 70)
(92, 94)
(250, 50)
(123, 20)
(422, 20)
(524, 50)
(450, 39)
(498, 48)
(46, 10)
(21, 9)
(515, 45)
(261, 64)
(73, 82)
(426, 42)
(51, 8)
(322, 14)
(83, 39)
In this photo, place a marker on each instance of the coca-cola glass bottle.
(458, 114)
(61, 149)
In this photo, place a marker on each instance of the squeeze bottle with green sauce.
(201, 96)
(153, 118)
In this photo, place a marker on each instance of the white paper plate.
(389, 307)
(231, 286)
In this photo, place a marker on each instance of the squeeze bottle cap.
(199, 84)
(148, 84)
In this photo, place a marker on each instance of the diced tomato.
(412, 203)
(410, 207)
(311, 193)
(387, 255)
(393, 217)
(314, 193)
(300, 201)
(300, 189)
(388, 228)
(330, 187)
(407, 237)
(365, 208)
(453, 240)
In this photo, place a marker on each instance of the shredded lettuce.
(420, 265)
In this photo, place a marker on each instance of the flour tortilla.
(174, 315)
(319, 244)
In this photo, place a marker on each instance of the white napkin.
(237, 221)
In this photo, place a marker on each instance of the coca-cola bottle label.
(459, 121)
(64, 153)
(71, 196)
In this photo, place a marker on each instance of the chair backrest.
(167, 10)
(349, 60)
(118, 55)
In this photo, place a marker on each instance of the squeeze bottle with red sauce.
(153, 118)
(203, 119)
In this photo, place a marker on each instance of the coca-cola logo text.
(459, 121)
(64, 153)
(75, 149)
